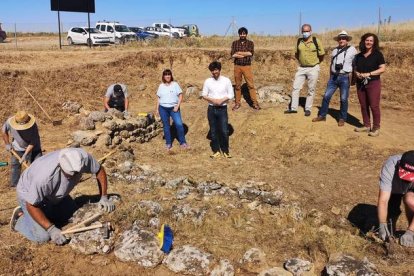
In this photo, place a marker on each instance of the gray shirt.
(389, 179)
(345, 58)
(110, 91)
(44, 181)
(23, 138)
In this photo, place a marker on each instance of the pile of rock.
(109, 129)
(273, 94)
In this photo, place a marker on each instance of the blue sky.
(212, 16)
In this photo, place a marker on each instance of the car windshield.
(135, 29)
(121, 28)
(92, 30)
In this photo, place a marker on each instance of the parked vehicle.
(80, 35)
(118, 33)
(143, 35)
(3, 35)
(161, 32)
(170, 28)
(191, 30)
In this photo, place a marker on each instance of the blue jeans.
(57, 214)
(219, 128)
(341, 82)
(165, 114)
(16, 167)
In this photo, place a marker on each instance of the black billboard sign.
(73, 5)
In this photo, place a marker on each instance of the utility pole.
(233, 26)
(379, 21)
(300, 22)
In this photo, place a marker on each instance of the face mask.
(306, 34)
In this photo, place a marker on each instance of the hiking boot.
(215, 155)
(184, 146)
(361, 129)
(256, 107)
(374, 132)
(290, 111)
(307, 113)
(319, 119)
(236, 106)
(17, 213)
(227, 155)
(341, 122)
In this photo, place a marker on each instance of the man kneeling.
(43, 193)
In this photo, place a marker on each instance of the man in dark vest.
(117, 97)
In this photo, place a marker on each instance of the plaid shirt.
(242, 46)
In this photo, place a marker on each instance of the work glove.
(106, 204)
(25, 158)
(383, 232)
(407, 239)
(56, 235)
(8, 147)
(125, 113)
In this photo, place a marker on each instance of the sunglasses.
(342, 38)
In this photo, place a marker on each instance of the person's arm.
(38, 216)
(104, 202)
(106, 103)
(243, 54)
(126, 104)
(177, 106)
(211, 100)
(383, 199)
(379, 71)
(6, 138)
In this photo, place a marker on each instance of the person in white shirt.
(217, 91)
(341, 70)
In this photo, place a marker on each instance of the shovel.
(54, 122)
(19, 158)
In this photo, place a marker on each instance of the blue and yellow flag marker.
(166, 238)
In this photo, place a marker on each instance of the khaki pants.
(305, 73)
(246, 71)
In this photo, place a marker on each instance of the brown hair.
(362, 47)
(166, 72)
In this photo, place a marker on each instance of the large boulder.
(224, 268)
(86, 123)
(273, 94)
(254, 260)
(342, 265)
(72, 107)
(299, 267)
(85, 138)
(189, 260)
(97, 116)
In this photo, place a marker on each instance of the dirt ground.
(317, 165)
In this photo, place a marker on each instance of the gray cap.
(70, 161)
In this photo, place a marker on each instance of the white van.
(117, 32)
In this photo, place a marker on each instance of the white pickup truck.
(170, 28)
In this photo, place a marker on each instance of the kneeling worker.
(43, 193)
(117, 97)
(396, 183)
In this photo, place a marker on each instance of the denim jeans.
(16, 167)
(334, 82)
(165, 114)
(57, 214)
(219, 130)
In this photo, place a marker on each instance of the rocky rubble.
(273, 94)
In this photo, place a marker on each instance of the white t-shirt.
(110, 91)
(168, 94)
(349, 55)
(218, 89)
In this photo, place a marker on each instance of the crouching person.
(43, 193)
(396, 183)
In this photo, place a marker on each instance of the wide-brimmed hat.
(22, 120)
(70, 161)
(343, 34)
(406, 166)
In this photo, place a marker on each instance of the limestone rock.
(248, 193)
(196, 215)
(97, 116)
(151, 208)
(117, 140)
(140, 246)
(141, 87)
(254, 260)
(299, 267)
(207, 188)
(273, 94)
(224, 268)
(183, 193)
(173, 184)
(85, 138)
(103, 141)
(110, 125)
(72, 107)
(125, 167)
(124, 134)
(342, 265)
(116, 113)
(271, 198)
(92, 242)
(275, 271)
(86, 123)
(189, 260)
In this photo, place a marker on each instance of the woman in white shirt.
(168, 105)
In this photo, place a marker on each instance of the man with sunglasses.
(341, 70)
(43, 193)
(396, 184)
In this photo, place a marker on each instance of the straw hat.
(22, 120)
(343, 34)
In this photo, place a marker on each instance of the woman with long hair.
(369, 65)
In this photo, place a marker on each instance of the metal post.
(300, 22)
(379, 21)
(15, 34)
(60, 36)
(89, 28)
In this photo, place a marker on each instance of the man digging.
(43, 193)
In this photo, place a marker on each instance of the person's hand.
(8, 147)
(25, 158)
(407, 239)
(56, 235)
(383, 232)
(106, 204)
(125, 113)
(176, 108)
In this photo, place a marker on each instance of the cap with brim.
(70, 161)
(118, 88)
(22, 120)
(406, 166)
(343, 34)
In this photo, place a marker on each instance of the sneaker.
(341, 122)
(361, 129)
(290, 111)
(236, 106)
(319, 119)
(184, 146)
(307, 113)
(215, 155)
(374, 132)
(17, 213)
(227, 155)
(256, 107)
(168, 146)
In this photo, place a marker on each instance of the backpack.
(316, 45)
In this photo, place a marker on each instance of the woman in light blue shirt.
(168, 105)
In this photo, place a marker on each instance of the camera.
(338, 67)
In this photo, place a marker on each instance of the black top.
(370, 63)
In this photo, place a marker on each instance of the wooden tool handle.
(106, 156)
(82, 229)
(19, 158)
(27, 90)
(85, 222)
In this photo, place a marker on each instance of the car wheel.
(70, 41)
(176, 35)
(89, 42)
